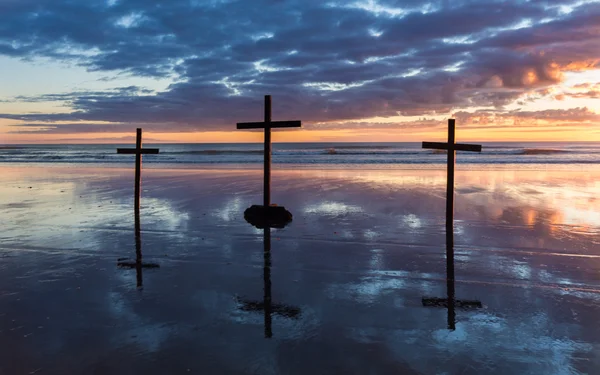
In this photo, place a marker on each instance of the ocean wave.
(542, 151)
(365, 147)
(215, 152)
(372, 151)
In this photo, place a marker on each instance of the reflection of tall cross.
(450, 302)
(268, 125)
(266, 305)
(452, 147)
(138, 151)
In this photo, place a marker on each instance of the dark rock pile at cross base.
(272, 216)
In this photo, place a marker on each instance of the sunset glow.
(366, 71)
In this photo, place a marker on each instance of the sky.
(78, 71)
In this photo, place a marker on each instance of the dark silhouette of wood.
(138, 151)
(267, 125)
(451, 147)
(266, 305)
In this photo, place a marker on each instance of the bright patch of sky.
(234, 87)
(262, 67)
(373, 7)
(454, 67)
(333, 86)
(130, 20)
(523, 24)
(464, 39)
(411, 73)
(44, 76)
(262, 36)
(379, 58)
(375, 33)
(571, 79)
(568, 9)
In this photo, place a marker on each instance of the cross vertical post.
(267, 125)
(138, 167)
(267, 152)
(450, 183)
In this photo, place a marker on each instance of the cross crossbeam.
(457, 146)
(272, 124)
(267, 125)
(138, 151)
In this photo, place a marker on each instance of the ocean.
(311, 155)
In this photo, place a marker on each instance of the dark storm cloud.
(322, 61)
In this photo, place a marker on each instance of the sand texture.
(346, 277)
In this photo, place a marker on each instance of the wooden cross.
(266, 305)
(138, 151)
(268, 125)
(452, 147)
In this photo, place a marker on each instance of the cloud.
(564, 117)
(321, 61)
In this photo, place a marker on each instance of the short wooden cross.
(266, 305)
(451, 147)
(450, 302)
(138, 151)
(268, 125)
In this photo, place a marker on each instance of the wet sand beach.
(347, 276)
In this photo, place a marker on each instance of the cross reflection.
(450, 302)
(139, 265)
(266, 306)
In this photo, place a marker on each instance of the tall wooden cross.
(266, 305)
(138, 151)
(451, 147)
(268, 125)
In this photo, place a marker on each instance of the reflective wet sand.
(347, 277)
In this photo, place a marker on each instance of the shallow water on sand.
(347, 276)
